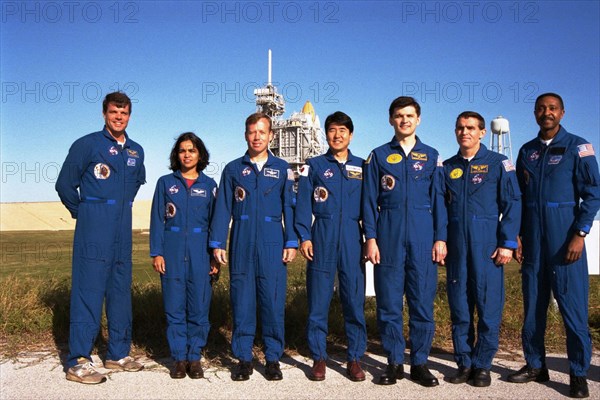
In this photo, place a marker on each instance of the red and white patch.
(240, 194)
(304, 170)
(508, 165)
(101, 171)
(320, 194)
(170, 210)
(585, 150)
(388, 182)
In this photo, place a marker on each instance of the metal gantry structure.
(296, 138)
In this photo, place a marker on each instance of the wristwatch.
(581, 234)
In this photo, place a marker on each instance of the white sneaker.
(124, 364)
(85, 372)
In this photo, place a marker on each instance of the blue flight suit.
(331, 191)
(403, 208)
(561, 195)
(97, 183)
(477, 193)
(256, 200)
(179, 223)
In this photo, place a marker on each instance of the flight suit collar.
(481, 153)
(560, 136)
(177, 174)
(330, 157)
(107, 134)
(270, 158)
(394, 143)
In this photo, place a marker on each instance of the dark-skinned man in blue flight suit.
(97, 183)
(329, 188)
(256, 190)
(484, 214)
(404, 219)
(559, 179)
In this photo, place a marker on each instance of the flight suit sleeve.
(438, 203)
(69, 178)
(509, 202)
(588, 185)
(303, 221)
(521, 181)
(370, 211)
(141, 178)
(157, 221)
(213, 199)
(289, 203)
(219, 227)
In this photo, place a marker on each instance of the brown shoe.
(355, 371)
(195, 370)
(317, 373)
(178, 371)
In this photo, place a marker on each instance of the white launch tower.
(294, 139)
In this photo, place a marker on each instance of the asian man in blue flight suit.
(256, 190)
(484, 214)
(559, 179)
(404, 219)
(97, 184)
(329, 189)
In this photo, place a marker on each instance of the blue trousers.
(414, 274)
(186, 298)
(101, 270)
(570, 285)
(319, 285)
(261, 279)
(475, 282)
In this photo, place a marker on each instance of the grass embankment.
(34, 304)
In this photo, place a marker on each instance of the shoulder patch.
(508, 165)
(304, 170)
(585, 150)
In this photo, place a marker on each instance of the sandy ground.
(53, 216)
(41, 376)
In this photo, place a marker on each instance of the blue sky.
(192, 66)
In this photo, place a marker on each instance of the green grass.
(34, 304)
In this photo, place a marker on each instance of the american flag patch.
(585, 150)
(440, 161)
(508, 165)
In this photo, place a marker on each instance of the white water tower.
(500, 137)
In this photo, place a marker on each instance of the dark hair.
(472, 114)
(254, 118)
(550, 94)
(119, 99)
(404, 101)
(339, 118)
(198, 144)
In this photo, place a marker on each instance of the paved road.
(41, 376)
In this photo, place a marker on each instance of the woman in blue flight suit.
(181, 210)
